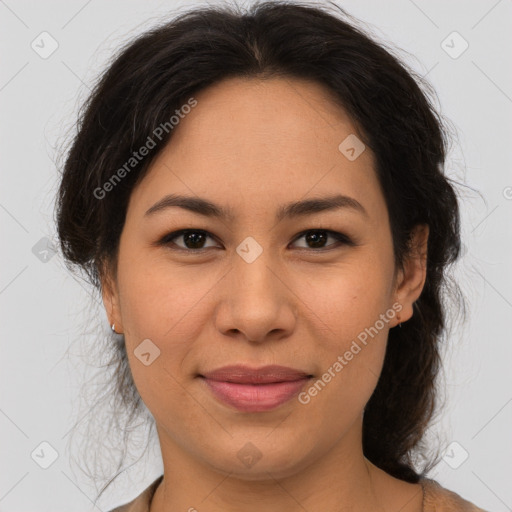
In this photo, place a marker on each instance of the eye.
(194, 239)
(318, 237)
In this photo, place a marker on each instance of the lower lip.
(255, 398)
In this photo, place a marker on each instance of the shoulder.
(142, 501)
(438, 499)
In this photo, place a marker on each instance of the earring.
(113, 327)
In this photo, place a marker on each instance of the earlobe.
(413, 276)
(110, 302)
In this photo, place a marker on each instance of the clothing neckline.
(425, 483)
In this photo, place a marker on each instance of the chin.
(261, 460)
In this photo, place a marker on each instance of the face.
(314, 290)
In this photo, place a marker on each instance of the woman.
(260, 199)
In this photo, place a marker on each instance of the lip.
(242, 374)
(255, 389)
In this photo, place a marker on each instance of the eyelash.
(341, 238)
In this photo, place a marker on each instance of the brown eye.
(193, 239)
(317, 238)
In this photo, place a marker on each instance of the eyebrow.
(294, 209)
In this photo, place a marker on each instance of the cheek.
(162, 302)
(349, 355)
(344, 300)
(349, 311)
(163, 307)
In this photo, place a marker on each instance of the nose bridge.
(252, 267)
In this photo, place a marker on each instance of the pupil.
(194, 237)
(315, 236)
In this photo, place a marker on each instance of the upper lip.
(245, 375)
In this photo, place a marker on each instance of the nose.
(256, 303)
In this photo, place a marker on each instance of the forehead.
(262, 142)
(286, 117)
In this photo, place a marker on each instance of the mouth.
(255, 390)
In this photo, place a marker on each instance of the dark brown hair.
(159, 71)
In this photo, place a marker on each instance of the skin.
(252, 146)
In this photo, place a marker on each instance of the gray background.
(44, 309)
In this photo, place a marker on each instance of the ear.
(411, 279)
(110, 296)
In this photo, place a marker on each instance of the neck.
(343, 480)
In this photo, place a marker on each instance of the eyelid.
(341, 240)
(167, 239)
